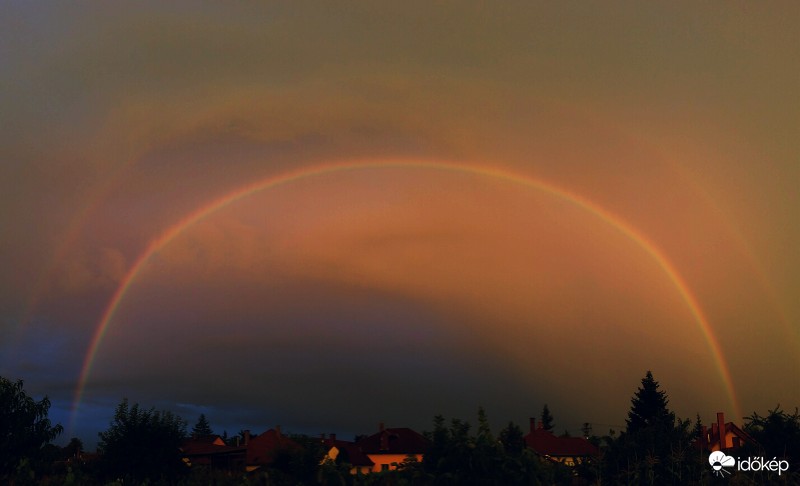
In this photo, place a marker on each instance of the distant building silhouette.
(723, 436)
(391, 446)
(211, 451)
(346, 452)
(264, 449)
(566, 450)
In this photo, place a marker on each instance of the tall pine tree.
(656, 447)
(649, 407)
(547, 419)
(202, 427)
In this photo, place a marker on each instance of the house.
(346, 452)
(391, 446)
(566, 450)
(264, 449)
(211, 451)
(723, 436)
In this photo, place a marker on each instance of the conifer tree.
(202, 427)
(586, 430)
(513, 439)
(649, 406)
(656, 447)
(547, 419)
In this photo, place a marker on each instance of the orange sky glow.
(327, 216)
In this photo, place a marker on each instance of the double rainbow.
(321, 170)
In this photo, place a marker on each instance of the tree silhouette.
(143, 445)
(24, 427)
(547, 419)
(655, 448)
(777, 433)
(586, 430)
(649, 406)
(74, 449)
(513, 439)
(202, 427)
(487, 451)
(456, 456)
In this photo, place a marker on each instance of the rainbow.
(321, 170)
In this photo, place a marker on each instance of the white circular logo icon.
(718, 460)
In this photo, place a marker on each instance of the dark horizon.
(222, 424)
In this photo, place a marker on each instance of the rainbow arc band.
(330, 168)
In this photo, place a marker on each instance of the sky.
(326, 215)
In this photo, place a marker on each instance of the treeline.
(142, 446)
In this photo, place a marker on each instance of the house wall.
(727, 441)
(389, 460)
(360, 470)
(567, 460)
(723, 435)
(332, 454)
(730, 436)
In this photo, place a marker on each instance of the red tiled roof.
(203, 439)
(545, 443)
(261, 449)
(349, 452)
(203, 446)
(394, 441)
(211, 451)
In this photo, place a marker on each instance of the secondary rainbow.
(320, 170)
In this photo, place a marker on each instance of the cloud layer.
(338, 301)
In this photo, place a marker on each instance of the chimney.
(246, 437)
(723, 443)
(384, 441)
(333, 437)
(533, 424)
(278, 430)
(384, 438)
